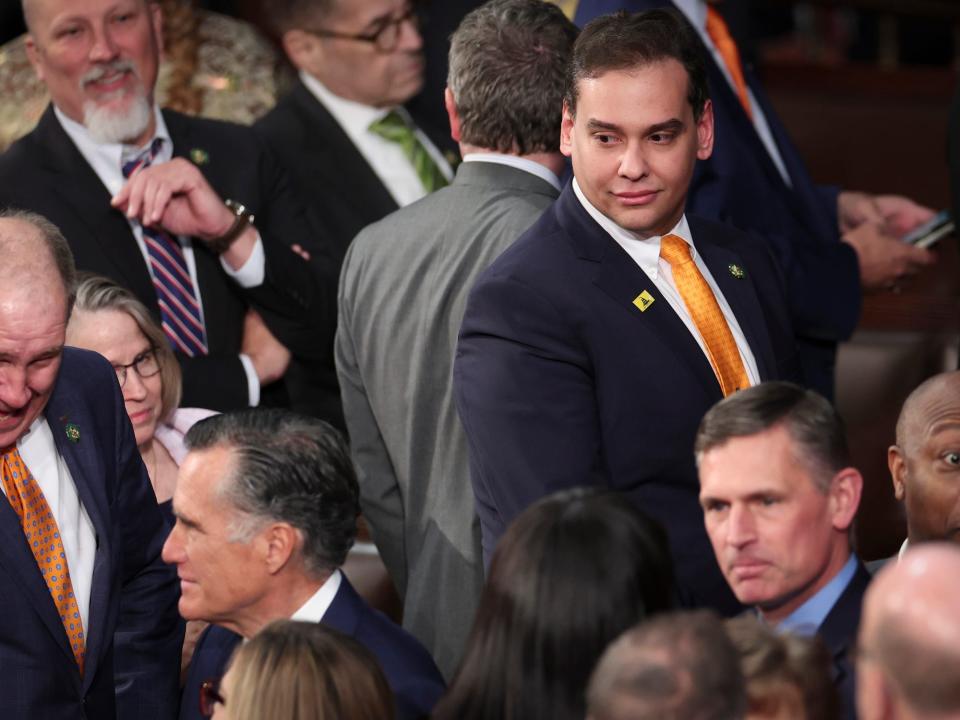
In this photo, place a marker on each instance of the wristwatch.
(242, 218)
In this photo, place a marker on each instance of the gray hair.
(508, 62)
(814, 426)
(54, 242)
(287, 468)
(677, 666)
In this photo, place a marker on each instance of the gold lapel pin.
(738, 272)
(199, 156)
(643, 301)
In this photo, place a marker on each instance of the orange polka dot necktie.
(707, 315)
(727, 47)
(43, 536)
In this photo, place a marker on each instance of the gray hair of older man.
(508, 62)
(287, 468)
(675, 666)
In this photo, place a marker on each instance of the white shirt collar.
(903, 549)
(355, 118)
(646, 251)
(515, 161)
(316, 607)
(106, 158)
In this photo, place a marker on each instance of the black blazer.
(46, 173)
(561, 381)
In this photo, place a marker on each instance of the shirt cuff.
(253, 382)
(253, 271)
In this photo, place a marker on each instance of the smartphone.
(940, 225)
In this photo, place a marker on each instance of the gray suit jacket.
(403, 289)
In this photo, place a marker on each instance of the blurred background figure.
(300, 671)
(908, 661)
(678, 666)
(571, 573)
(787, 676)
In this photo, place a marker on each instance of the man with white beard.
(190, 214)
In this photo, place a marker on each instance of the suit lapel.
(87, 471)
(78, 186)
(840, 626)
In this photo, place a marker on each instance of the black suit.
(46, 173)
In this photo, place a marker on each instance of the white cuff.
(252, 272)
(253, 382)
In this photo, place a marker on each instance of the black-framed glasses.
(210, 696)
(385, 37)
(145, 365)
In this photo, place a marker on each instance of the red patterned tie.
(43, 536)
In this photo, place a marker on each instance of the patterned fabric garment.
(394, 128)
(43, 536)
(179, 309)
(706, 314)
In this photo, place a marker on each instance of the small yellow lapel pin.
(643, 301)
(738, 272)
(199, 156)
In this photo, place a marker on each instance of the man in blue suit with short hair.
(591, 348)
(89, 625)
(266, 506)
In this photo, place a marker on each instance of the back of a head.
(570, 574)
(306, 671)
(508, 61)
(677, 666)
(288, 468)
(786, 675)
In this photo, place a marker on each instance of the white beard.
(107, 125)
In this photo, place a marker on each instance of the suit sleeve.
(524, 389)
(214, 381)
(380, 496)
(149, 631)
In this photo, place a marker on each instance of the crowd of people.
(576, 378)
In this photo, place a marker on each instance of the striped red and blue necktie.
(179, 308)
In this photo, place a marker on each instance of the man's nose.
(410, 38)
(172, 552)
(741, 529)
(14, 390)
(633, 165)
(104, 48)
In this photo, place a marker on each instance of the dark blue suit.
(740, 185)
(134, 633)
(409, 669)
(561, 381)
(839, 634)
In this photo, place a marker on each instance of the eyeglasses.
(210, 696)
(386, 37)
(145, 365)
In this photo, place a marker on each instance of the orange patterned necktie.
(27, 500)
(722, 40)
(706, 314)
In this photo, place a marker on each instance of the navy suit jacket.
(839, 633)
(410, 671)
(134, 634)
(740, 185)
(561, 381)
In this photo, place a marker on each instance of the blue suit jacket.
(410, 671)
(561, 381)
(839, 633)
(134, 633)
(740, 185)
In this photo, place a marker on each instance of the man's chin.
(118, 120)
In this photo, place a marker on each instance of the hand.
(855, 209)
(270, 358)
(885, 260)
(902, 214)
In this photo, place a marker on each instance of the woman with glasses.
(300, 671)
(109, 320)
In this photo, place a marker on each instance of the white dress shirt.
(646, 254)
(316, 607)
(39, 453)
(520, 163)
(696, 12)
(106, 160)
(386, 158)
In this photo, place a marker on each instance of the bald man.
(89, 625)
(925, 462)
(909, 644)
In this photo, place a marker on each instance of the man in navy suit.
(580, 359)
(779, 497)
(96, 635)
(266, 506)
(829, 243)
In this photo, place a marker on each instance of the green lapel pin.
(73, 433)
(738, 272)
(199, 156)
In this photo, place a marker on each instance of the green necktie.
(394, 128)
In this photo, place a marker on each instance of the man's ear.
(566, 130)
(300, 48)
(898, 470)
(281, 541)
(705, 132)
(846, 488)
(33, 55)
(452, 114)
